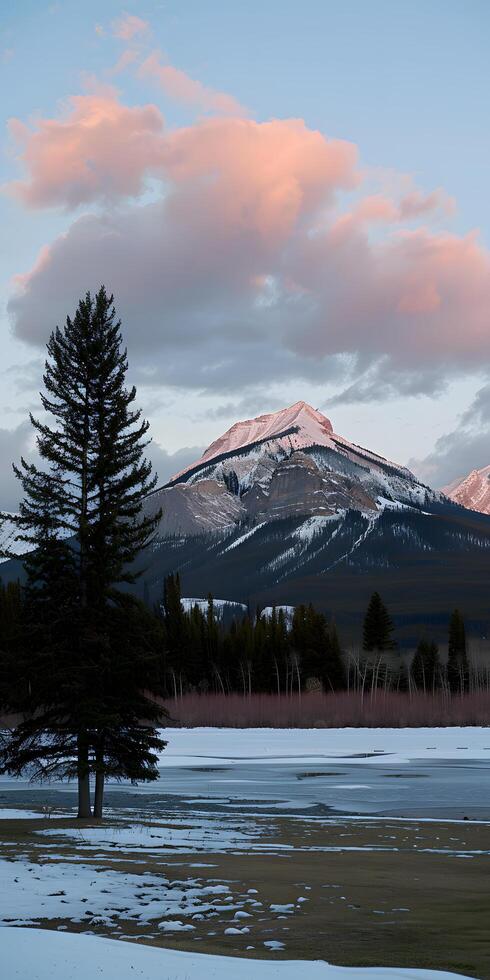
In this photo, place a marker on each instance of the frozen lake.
(432, 789)
(422, 789)
(432, 773)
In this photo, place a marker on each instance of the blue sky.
(407, 83)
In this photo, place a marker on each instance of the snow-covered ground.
(80, 893)
(191, 746)
(37, 954)
(193, 833)
(11, 813)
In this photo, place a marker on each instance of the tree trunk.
(99, 794)
(277, 677)
(99, 779)
(84, 811)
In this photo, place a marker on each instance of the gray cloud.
(380, 382)
(20, 441)
(27, 376)
(199, 329)
(257, 402)
(13, 444)
(467, 448)
(166, 464)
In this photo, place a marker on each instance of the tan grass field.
(406, 906)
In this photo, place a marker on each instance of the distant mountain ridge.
(472, 491)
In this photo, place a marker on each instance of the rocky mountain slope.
(282, 510)
(472, 491)
(286, 464)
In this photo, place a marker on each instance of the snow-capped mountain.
(295, 427)
(8, 543)
(282, 510)
(283, 464)
(472, 491)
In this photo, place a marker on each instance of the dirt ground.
(410, 894)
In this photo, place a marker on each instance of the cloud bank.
(98, 150)
(266, 257)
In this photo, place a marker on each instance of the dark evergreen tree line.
(193, 651)
(254, 654)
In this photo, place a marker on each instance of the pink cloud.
(129, 26)
(419, 297)
(100, 149)
(181, 87)
(126, 58)
(379, 209)
(243, 267)
(417, 300)
(443, 280)
(416, 203)
(260, 178)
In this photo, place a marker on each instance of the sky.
(288, 200)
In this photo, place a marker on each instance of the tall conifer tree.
(84, 514)
(378, 626)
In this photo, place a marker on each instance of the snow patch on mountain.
(312, 428)
(288, 612)
(313, 526)
(242, 538)
(8, 545)
(283, 464)
(221, 606)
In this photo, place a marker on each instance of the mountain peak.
(472, 491)
(298, 426)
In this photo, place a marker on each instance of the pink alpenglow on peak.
(281, 465)
(472, 491)
(312, 427)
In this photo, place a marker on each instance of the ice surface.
(363, 746)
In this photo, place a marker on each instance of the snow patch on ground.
(80, 893)
(37, 954)
(11, 813)
(177, 836)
